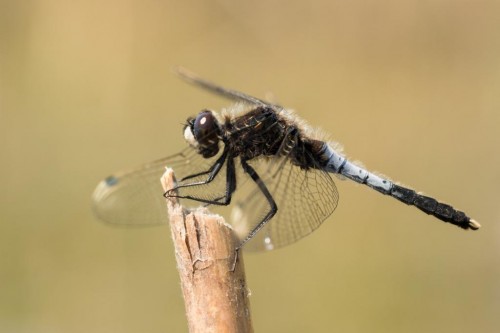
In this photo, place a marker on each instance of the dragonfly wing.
(135, 197)
(304, 197)
(230, 94)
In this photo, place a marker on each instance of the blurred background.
(410, 88)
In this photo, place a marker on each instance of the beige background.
(411, 88)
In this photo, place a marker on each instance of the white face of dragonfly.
(189, 137)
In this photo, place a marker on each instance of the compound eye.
(205, 128)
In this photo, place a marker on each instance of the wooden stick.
(213, 282)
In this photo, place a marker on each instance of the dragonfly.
(262, 161)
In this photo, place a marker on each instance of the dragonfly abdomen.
(433, 207)
(339, 164)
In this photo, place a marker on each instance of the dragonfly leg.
(273, 207)
(213, 172)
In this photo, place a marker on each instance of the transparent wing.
(305, 198)
(230, 94)
(135, 197)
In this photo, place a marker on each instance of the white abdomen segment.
(339, 164)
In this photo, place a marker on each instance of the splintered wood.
(213, 282)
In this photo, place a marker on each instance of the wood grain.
(213, 282)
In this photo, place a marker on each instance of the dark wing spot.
(111, 181)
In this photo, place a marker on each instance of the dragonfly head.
(203, 133)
